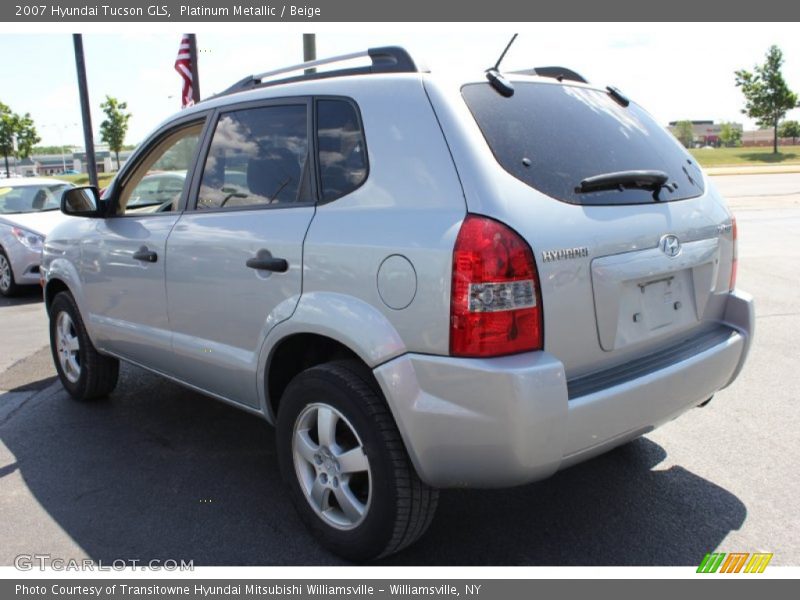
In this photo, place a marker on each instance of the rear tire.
(8, 286)
(361, 460)
(85, 373)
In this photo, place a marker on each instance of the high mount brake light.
(495, 303)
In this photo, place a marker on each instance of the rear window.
(552, 137)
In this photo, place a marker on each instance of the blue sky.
(675, 71)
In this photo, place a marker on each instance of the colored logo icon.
(734, 562)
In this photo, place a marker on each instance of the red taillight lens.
(495, 304)
(735, 264)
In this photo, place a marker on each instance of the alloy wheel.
(68, 347)
(5, 273)
(331, 466)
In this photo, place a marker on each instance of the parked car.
(28, 211)
(421, 283)
(161, 191)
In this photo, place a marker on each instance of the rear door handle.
(264, 261)
(144, 254)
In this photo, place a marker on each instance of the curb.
(757, 170)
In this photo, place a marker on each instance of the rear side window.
(341, 148)
(552, 137)
(257, 157)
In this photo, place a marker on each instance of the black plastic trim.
(683, 350)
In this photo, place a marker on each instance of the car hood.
(38, 222)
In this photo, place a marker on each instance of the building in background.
(763, 137)
(106, 161)
(704, 133)
(73, 159)
(707, 133)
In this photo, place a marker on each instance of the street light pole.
(60, 129)
(61, 140)
(309, 50)
(80, 65)
(15, 148)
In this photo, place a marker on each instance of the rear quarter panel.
(411, 205)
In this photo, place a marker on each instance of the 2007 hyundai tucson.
(423, 284)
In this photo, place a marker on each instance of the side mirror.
(81, 202)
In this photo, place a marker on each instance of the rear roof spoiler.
(560, 73)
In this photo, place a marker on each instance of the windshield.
(553, 137)
(30, 198)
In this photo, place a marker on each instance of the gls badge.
(670, 245)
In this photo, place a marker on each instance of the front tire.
(85, 373)
(8, 286)
(344, 462)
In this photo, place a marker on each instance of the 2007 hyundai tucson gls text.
(423, 284)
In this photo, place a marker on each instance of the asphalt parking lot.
(160, 472)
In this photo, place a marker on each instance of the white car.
(29, 209)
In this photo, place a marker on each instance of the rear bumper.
(510, 420)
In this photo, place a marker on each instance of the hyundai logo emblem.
(670, 245)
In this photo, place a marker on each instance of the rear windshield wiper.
(643, 180)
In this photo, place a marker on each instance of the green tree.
(684, 132)
(50, 149)
(115, 125)
(17, 135)
(7, 126)
(767, 97)
(730, 134)
(27, 136)
(790, 129)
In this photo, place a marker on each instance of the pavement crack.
(12, 413)
(24, 402)
(89, 492)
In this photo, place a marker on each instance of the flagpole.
(193, 66)
(91, 162)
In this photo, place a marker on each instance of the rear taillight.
(735, 263)
(495, 304)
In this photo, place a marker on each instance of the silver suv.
(423, 284)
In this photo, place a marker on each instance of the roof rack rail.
(387, 59)
(559, 73)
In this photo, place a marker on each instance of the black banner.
(406, 11)
(365, 589)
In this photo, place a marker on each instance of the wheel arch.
(51, 289)
(61, 275)
(324, 327)
(297, 352)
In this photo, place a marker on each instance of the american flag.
(183, 65)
